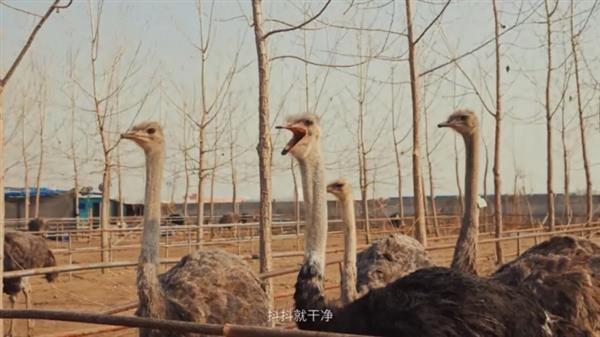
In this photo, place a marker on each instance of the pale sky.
(164, 34)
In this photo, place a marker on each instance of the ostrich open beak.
(298, 131)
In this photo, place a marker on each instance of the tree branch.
(433, 21)
(264, 37)
(27, 45)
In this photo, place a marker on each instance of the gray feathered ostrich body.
(206, 286)
(431, 302)
(388, 259)
(24, 251)
(563, 274)
(384, 261)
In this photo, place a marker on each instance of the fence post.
(518, 243)
(167, 235)
(70, 248)
(90, 225)
(237, 238)
(189, 239)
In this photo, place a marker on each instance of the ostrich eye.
(463, 118)
(338, 185)
(308, 122)
(151, 131)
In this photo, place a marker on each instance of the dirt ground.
(94, 291)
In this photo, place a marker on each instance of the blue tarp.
(20, 193)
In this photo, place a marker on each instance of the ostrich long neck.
(465, 257)
(313, 185)
(309, 286)
(349, 277)
(149, 291)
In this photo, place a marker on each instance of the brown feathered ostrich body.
(383, 262)
(429, 302)
(205, 286)
(24, 251)
(563, 274)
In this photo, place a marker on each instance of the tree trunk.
(586, 165)
(264, 148)
(25, 164)
(213, 178)
(498, 140)
(485, 181)
(565, 152)
(75, 164)
(419, 205)
(234, 205)
(38, 179)
(549, 160)
(430, 171)
(397, 153)
(363, 180)
(186, 171)
(200, 192)
(105, 210)
(120, 189)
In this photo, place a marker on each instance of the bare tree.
(72, 147)
(264, 147)
(567, 211)
(210, 107)
(232, 143)
(549, 115)
(24, 108)
(362, 78)
(3, 82)
(586, 165)
(397, 152)
(213, 171)
(497, 139)
(419, 202)
(428, 151)
(41, 106)
(106, 86)
(186, 167)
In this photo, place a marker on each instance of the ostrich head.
(305, 134)
(341, 188)
(462, 121)
(148, 135)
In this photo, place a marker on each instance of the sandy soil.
(94, 291)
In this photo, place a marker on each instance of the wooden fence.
(436, 244)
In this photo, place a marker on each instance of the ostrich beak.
(298, 131)
(132, 135)
(128, 135)
(446, 124)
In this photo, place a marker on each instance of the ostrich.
(342, 190)
(465, 253)
(205, 286)
(558, 273)
(37, 225)
(562, 273)
(432, 301)
(24, 251)
(381, 263)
